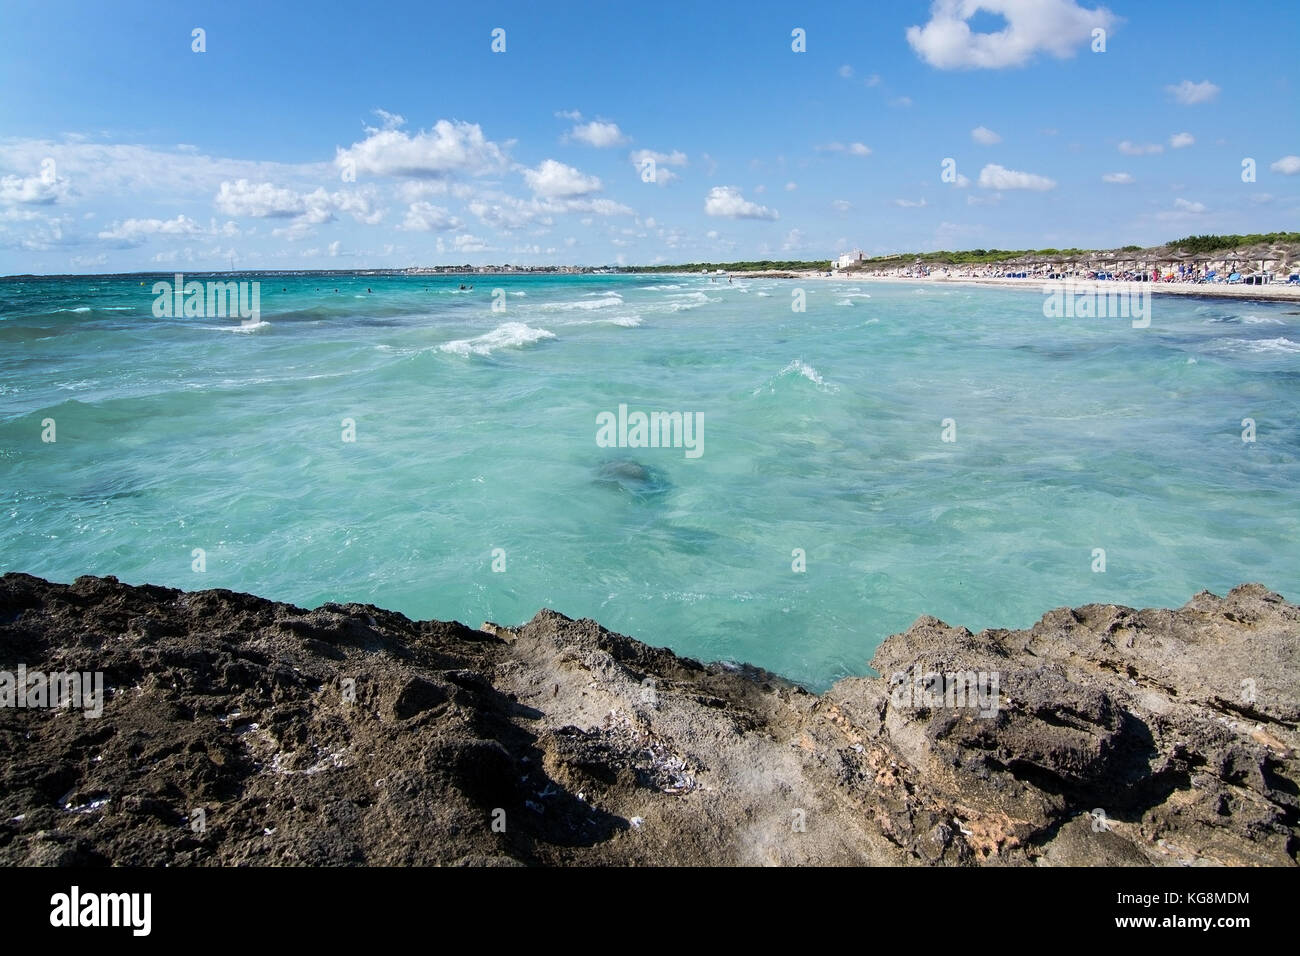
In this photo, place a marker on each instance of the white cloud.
(507, 212)
(13, 214)
(872, 80)
(554, 180)
(268, 201)
(469, 243)
(853, 149)
(134, 230)
(663, 175)
(846, 72)
(359, 204)
(1180, 140)
(727, 202)
(985, 136)
(1139, 149)
(793, 240)
(1122, 179)
(1057, 27)
(502, 211)
(297, 229)
(1189, 93)
(334, 248)
(841, 205)
(259, 200)
(675, 158)
(909, 203)
(994, 176)
(39, 190)
(413, 190)
(601, 207)
(1287, 165)
(1183, 209)
(791, 186)
(389, 120)
(599, 134)
(115, 170)
(426, 217)
(447, 149)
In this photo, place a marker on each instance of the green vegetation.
(1204, 244)
(1200, 245)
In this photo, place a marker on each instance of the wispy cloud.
(994, 176)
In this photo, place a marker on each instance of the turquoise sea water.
(476, 430)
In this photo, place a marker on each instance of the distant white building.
(847, 259)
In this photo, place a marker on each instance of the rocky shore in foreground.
(237, 730)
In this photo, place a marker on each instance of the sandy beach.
(1276, 292)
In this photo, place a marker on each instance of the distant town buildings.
(497, 270)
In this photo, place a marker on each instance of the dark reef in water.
(239, 730)
(633, 477)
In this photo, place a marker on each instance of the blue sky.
(347, 135)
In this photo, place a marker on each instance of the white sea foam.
(801, 369)
(1278, 346)
(625, 321)
(807, 371)
(657, 288)
(245, 329)
(603, 303)
(509, 335)
(683, 301)
(1261, 320)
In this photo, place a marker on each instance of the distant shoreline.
(1275, 292)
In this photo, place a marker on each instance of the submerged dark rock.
(632, 477)
(239, 730)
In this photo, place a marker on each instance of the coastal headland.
(237, 730)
